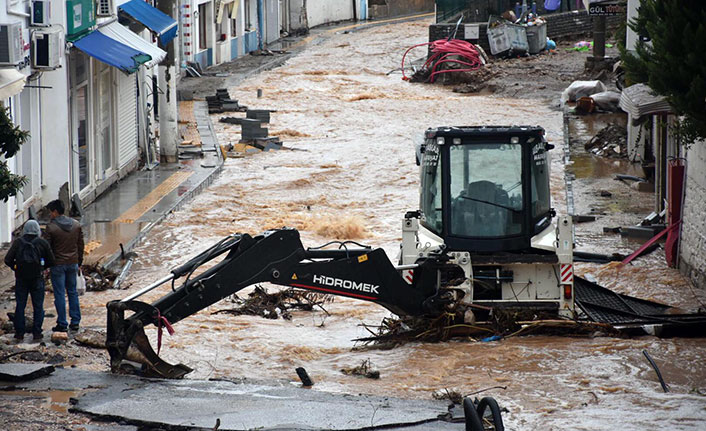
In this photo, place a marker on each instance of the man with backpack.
(28, 256)
(66, 240)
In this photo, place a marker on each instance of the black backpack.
(28, 259)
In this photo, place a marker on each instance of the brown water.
(357, 178)
(58, 401)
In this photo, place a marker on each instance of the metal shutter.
(127, 119)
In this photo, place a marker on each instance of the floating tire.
(473, 421)
(493, 420)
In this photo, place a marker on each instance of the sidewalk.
(131, 208)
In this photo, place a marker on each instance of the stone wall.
(559, 25)
(692, 253)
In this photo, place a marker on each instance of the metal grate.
(605, 306)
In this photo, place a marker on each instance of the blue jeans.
(23, 289)
(63, 280)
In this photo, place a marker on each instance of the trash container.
(536, 37)
(506, 38)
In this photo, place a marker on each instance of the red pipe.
(441, 51)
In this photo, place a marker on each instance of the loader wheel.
(489, 414)
(473, 422)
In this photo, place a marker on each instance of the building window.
(233, 28)
(203, 34)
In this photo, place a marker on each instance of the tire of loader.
(473, 421)
(494, 420)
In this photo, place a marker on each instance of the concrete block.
(642, 186)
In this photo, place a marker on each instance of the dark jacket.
(66, 240)
(42, 247)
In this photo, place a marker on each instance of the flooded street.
(351, 173)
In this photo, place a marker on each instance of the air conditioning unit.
(104, 8)
(11, 49)
(47, 48)
(41, 13)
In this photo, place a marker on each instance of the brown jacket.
(66, 240)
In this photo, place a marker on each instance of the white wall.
(325, 11)
(46, 117)
(271, 20)
(56, 151)
(693, 236)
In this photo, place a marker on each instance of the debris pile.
(277, 304)
(474, 81)
(611, 141)
(98, 278)
(447, 56)
(445, 394)
(500, 324)
(365, 369)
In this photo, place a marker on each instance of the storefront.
(103, 94)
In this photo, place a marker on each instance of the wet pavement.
(237, 405)
(125, 213)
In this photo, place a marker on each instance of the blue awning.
(112, 52)
(162, 24)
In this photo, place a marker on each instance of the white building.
(85, 102)
(218, 31)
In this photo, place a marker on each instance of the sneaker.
(59, 328)
(74, 326)
(19, 336)
(37, 337)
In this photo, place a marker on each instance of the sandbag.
(607, 100)
(579, 89)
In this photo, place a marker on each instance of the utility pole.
(598, 38)
(168, 121)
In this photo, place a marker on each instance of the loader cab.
(485, 189)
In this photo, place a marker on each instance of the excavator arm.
(277, 257)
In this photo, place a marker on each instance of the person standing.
(66, 240)
(28, 256)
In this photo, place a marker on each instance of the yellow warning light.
(362, 258)
(294, 277)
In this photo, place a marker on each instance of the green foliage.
(674, 65)
(11, 138)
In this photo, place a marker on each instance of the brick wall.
(559, 25)
(692, 253)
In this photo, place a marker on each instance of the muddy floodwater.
(351, 174)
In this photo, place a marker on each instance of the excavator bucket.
(127, 341)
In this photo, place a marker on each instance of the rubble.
(98, 278)
(611, 141)
(277, 304)
(365, 369)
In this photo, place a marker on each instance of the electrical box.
(11, 47)
(104, 8)
(80, 18)
(47, 48)
(41, 13)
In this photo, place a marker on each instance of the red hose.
(441, 50)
